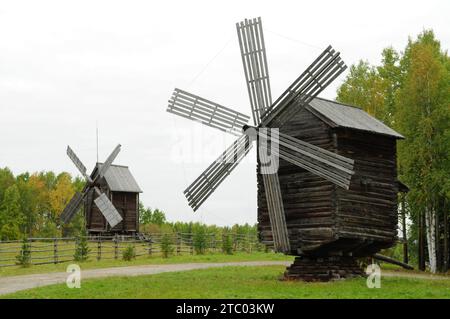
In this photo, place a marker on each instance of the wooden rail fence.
(60, 250)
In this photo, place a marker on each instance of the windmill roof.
(337, 114)
(119, 179)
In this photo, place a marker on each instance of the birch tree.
(423, 116)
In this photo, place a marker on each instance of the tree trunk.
(404, 231)
(445, 248)
(430, 221)
(421, 245)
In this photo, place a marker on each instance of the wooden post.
(30, 243)
(178, 239)
(99, 248)
(116, 247)
(150, 246)
(55, 250)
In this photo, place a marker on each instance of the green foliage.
(129, 253)
(410, 91)
(199, 240)
(11, 218)
(82, 249)
(166, 245)
(24, 258)
(147, 216)
(227, 243)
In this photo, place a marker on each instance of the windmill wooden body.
(110, 198)
(332, 196)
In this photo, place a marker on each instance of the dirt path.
(16, 283)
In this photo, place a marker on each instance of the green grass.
(238, 282)
(144, 260)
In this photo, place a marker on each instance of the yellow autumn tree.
(60, 196)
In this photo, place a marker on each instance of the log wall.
(368, 210)
(325, 219)
(307, 198)
(127, 206)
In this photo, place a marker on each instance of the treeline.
(154, 222)
(410, 92)
(31, 205)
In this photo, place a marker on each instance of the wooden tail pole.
(392, 261)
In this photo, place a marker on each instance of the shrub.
(166, 245)
(227, 244)
(82, 250)
(129, 253)
(24, 259)
(199, 241)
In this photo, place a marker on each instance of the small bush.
(24, 259)
(166, 246)
(129, 253)
(227, 244)
(82, 250)
(199, 241)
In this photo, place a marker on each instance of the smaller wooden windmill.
(110, 198)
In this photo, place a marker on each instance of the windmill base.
(308, 268)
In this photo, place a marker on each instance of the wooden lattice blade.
(211, 178)
(72, 208)
(331, 166)
(254, 61)
(105, 166)
(196, 108)
(306, 87)
(108, 210)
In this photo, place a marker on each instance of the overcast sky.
(66, 64)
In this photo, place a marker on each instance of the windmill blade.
(77, 162)
(327, 67)
(109, 161)
(108, 210)
(254, 61)
(275, 206)
(72, 208)
(196, 108)
(211, 178)
(331, 166)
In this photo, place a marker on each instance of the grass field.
(144, 260)
(238, 282)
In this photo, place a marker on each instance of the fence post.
(178, 239)
(150, 246)
(116, 246)
(99, 248)
(55, 250)
(30, 243)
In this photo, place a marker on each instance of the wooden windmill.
(300, 205)
(110, 198)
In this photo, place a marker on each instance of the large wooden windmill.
(110, 198)
(325, 202)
